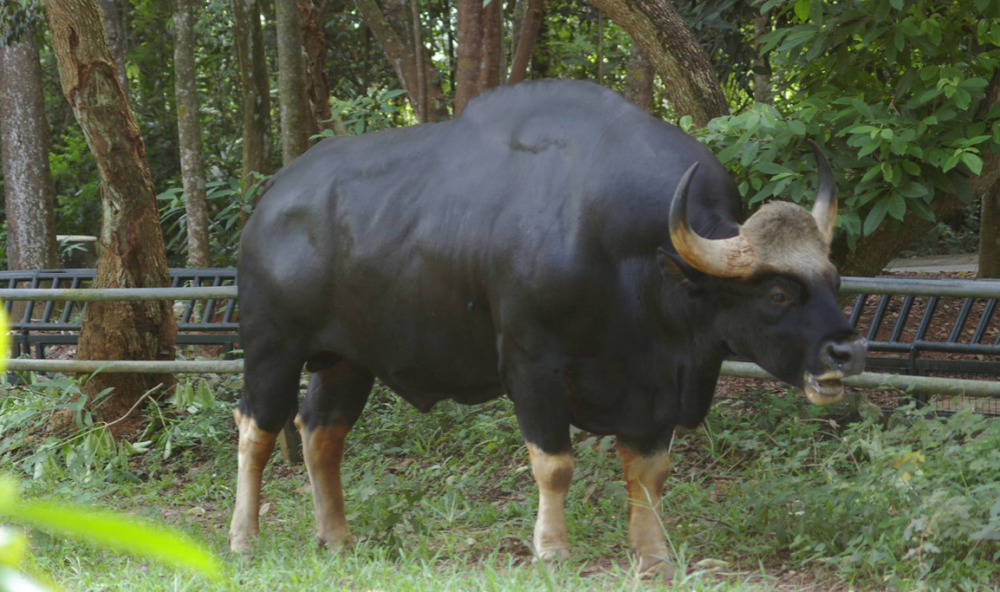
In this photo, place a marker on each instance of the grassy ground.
(770, 495)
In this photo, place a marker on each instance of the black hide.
(513, 250)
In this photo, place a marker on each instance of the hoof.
(654, 567)
(334, 544)
(240, 544)
(552, 555)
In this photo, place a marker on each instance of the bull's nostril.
(839, 354)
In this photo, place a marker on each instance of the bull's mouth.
(825, 389)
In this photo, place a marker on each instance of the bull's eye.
(778, 296)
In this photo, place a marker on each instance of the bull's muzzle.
(839, 359)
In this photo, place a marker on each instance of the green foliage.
(77, 183)
(84, 451)
(150, 72)
(19, 18)
(227, 202)
(913, 505)
(572, 40)
(724, 30)
(910, 503)
(890, 86)
(959, 234)
(48, 430)
(102, 529)
(197, 415)
(370, 112)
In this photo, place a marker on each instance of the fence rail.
(111, 294)
(867, 380)
(943, 287)
(865, 286)
(915, 385)
(129, 366)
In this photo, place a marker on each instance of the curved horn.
(727, 257)
(825, 209)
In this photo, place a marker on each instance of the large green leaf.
(112, 531)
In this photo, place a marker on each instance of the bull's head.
(776, 288)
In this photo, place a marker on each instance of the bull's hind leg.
(646, 469)
(270, 396)
(337, 395)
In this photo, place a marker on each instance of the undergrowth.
(769, 484)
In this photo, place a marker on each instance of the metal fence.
(55, 299)
(885, 310)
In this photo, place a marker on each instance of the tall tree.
(541, 57)
(132, 253)
(479, 40)
(639, 84)
(292, 83)
(391, 22)
(114, 26)
(418, 45)
(761, 64)
(470, 34)
(490, 52)
(690, 83)
(525, 38)
(24, 140)
(318, 84)
(189, 132)
(989, 233)
(255, 93)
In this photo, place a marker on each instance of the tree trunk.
(490, 49)
(989, 233)
(114, 27)
(600, 48)
(132, 253)
(24, 148)
(541, 58)
(470, 35)
(418, 52)
(762, 64)
(189, 134)
(318, 83)
(639, 83)
(690, 83)
(396, 36)
(525, 39)
(249, 41)
(873, 252)
(291, 82)
(989, 193)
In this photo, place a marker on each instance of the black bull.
(554, 243)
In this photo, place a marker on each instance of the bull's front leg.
(646, 468)
(553, 473)
(544, 419)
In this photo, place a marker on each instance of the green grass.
(445, 500)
